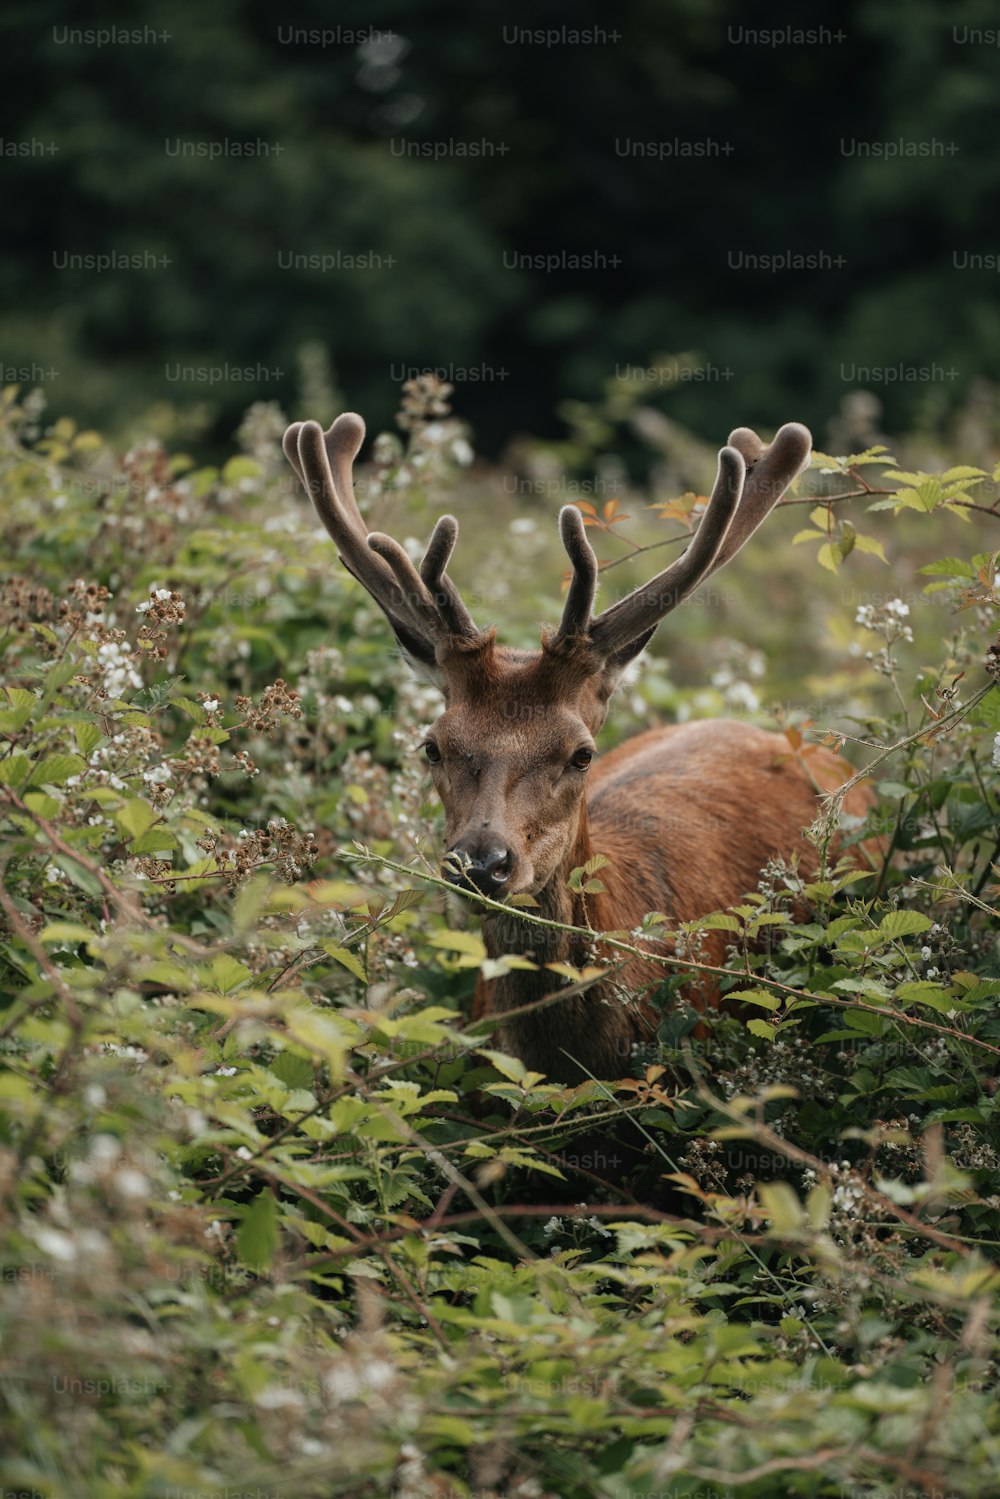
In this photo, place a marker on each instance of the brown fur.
(688, 815)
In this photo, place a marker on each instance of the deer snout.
(486, 868)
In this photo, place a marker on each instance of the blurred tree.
(595, 203)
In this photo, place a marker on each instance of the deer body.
(687, 815)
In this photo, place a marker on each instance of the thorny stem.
(669, 960)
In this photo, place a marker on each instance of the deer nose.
(487, 872)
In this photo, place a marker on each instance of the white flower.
(159, 775)
(59, 1246)
(144, 608)
(995, 762)
(898, 608)
(551, 1227)
(275, 1398)
(132, 1183)
(742, 695)
(211, 705)
(225, 1071)
(53, 874)
(162, 593)
(925, 953)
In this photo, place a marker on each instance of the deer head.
(510, 753)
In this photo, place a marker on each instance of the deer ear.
(423, 669)
(615, 666)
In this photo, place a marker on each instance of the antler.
(424, 608)
(750, 481)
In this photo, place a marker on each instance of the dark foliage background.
(667, 235)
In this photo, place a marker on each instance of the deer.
(687, 815)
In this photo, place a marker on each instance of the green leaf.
(55, 770)
(257, 1239)
(154, 841)
(82, 877)
(762, 1028)
(14, 771)
(782, 1206)
(42, 804)
(240, 468)
(759, 997)
(58, 675)
(347, 959)
(818, 1206)
(135, 816)
(870, 545)
(226, 973)
(903, 924)
(948, 567)
(88, 736)
(65, 931)
(468, 945)
(188, 706)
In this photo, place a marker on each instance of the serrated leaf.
(190, 707)
(870, 545)
(347, 959)
(135, 816)
(154, 841)
(762, 1028)
(758, 997)
(903, 924)
(55, 770)
(226, 973)
(949, 567)
(14, 771)
(718, 921)
(510, 1067)
(404, 900)
(88, 736)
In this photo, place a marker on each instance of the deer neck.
(510, 934)
(568, 1039)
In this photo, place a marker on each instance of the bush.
(278, 1218)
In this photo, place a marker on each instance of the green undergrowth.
(280, 1220)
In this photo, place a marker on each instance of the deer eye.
(432, 752)
(582, 759)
